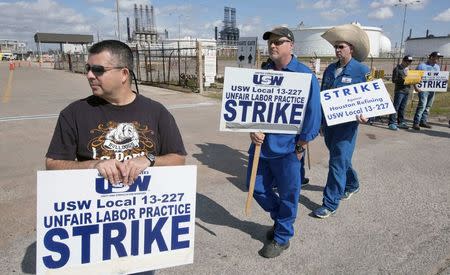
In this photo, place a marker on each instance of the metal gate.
(170, 63)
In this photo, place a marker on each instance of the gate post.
(199, 67)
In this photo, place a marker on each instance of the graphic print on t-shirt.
(121, 141)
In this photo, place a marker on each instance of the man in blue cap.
(279, 163)
(426, 99)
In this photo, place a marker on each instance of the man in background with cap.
(279, 163)
(351, 45)
(425, 98)
(401, 93)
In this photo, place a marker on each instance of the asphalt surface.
(399, 223)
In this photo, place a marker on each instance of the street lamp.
(404, 3)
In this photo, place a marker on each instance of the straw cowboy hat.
(353, 35)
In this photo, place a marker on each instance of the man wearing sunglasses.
(279, 163)
(115, 130)
(351, 45)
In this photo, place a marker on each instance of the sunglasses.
(278, 42)
(99, 69)
(339, 46)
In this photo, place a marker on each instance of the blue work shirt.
(428, 67)
(278, 145)
(354, 72)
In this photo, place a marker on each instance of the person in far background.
(425, 98)
(401, 93)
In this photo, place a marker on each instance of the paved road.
(398, 224)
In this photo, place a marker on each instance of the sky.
(197, 18)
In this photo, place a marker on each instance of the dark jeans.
(400, 100)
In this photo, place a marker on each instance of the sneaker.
(273, 249)
(416, 127)
(323, 212)
(393, 127)
(305, 181)
(403, 125)
(270, 233)
(425, 125)
(348, 194)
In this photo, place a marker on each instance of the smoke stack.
(427, 33)
(141, 18)
(136, 20)
(128, 29)
(215, 33)
(147, 18)
(233, 17)
(152, 26)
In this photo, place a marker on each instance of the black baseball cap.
(408, 58)
(281, 31)
(435, 54)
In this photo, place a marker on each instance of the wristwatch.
(151, 158)
(299, 149)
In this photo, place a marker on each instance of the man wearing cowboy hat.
(279, 162)
(351, 45)
(426, 99)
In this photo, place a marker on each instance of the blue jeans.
(340, 140)
(423, 107)
(283, 173)
(400, 100)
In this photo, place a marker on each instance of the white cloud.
(301, 5)
(334, 14)
(412, 4)
(376, 4)
(251, 26)
(322, 4)
(443, 16)
(351, 4)
(24, 18)
(326, 4)
(381, 13)
(216, 23)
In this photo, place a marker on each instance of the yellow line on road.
(8, 88)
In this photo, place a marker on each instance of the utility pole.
(118, 19)
(404, 3)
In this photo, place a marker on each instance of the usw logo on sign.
(268, 79)
(102, 186)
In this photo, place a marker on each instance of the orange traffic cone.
(11, 66)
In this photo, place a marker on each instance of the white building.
(423, 46)
(10, 45)
(308, 41)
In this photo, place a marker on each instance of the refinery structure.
(144, 25)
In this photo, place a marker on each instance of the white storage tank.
(423, 46)
(308, 41)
